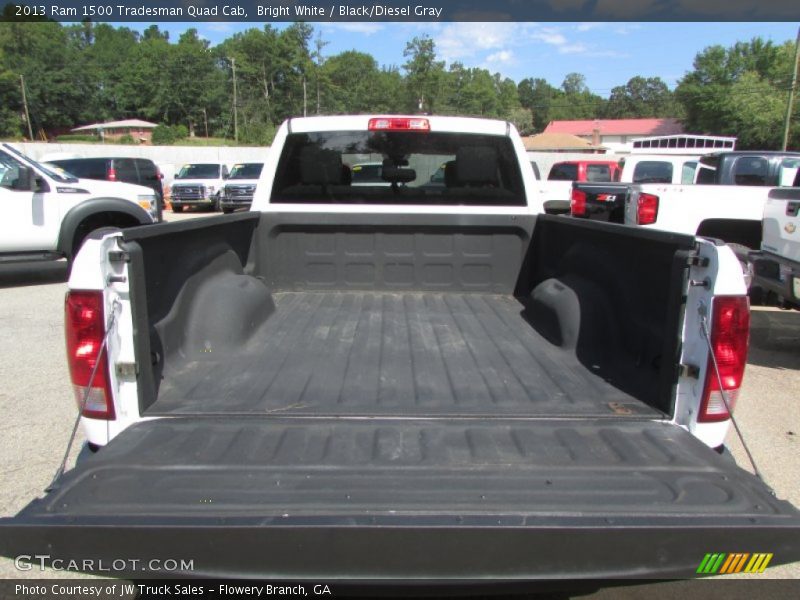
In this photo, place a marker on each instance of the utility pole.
(791, 92)
(305, 113)
(235, 103)
(25, 104)
(205, 120)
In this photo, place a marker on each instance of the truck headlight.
(147, 202)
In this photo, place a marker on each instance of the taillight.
(85, 331)
(730, 332)
(112, 174)
(646, 209)
(399, 124)
(577, 204)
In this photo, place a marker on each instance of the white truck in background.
(377, 383)
(776, 267)
(46, 214)
(604, 201)
(198, 185)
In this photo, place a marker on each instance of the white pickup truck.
(776, 267)
(384, 382)
(198, 184)
(605, 201)
(46, 214)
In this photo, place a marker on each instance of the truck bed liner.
(404, 354)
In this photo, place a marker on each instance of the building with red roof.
(616, 134)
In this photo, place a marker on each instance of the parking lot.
(38, 409)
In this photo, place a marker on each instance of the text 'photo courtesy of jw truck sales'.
(396, 367)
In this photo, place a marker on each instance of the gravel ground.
(38, 409)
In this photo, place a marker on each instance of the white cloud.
(588, 26)
(464, 40)
(573, 48)
(502, 57)
(550, 35)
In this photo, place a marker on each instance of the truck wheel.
(176, 208)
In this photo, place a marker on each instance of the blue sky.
(608, 54)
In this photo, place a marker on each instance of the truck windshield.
(246, 171)
(198, 171)
(60, 177)
(327, 167)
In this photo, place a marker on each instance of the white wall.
(168, 158)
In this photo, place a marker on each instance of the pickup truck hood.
(112, 189)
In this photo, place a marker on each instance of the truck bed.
(419, 316)
(398, 354)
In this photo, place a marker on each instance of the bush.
(163, 135)
(180, 131)
(77, 137)
(126, 139)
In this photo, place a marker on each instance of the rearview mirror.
(398, 174)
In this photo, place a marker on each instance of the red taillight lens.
(85, 330)
(730, 333)
(577, 204)
(399, 124)
(112, 174)
(646, 209)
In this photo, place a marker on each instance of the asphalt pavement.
(38, 409)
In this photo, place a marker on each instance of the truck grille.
(188, 192)
(240, 192)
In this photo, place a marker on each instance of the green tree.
(642, 97)
(58, 86)
(424, 74)
(537, 96)
(742, 91)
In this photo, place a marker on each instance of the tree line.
(84, 73)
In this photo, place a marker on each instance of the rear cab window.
(751, 170)
(398, 167)
(652, 171)
(598, 173)
(563, 172)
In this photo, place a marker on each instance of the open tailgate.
(423, 499)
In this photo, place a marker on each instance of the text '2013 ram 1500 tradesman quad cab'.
(405, 381)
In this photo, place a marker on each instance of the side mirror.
(26, 180)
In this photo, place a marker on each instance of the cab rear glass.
(415, 168)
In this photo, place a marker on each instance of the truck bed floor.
(393, 354)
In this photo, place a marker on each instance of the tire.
(177, 208)
(215, 205)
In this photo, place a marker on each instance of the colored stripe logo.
(736, 562)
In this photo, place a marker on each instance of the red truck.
(584, 170)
